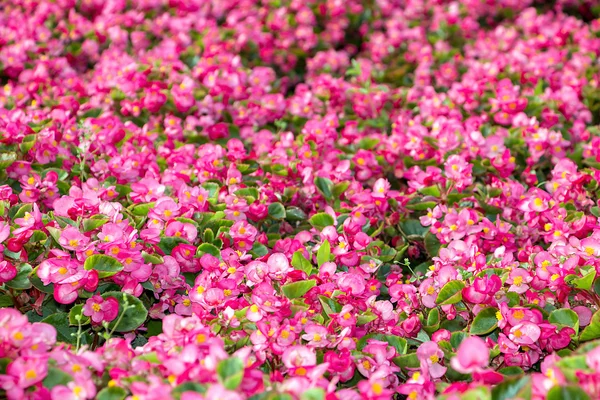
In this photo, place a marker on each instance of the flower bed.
(283, 199)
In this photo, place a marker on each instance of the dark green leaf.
(400, 344)
(77, 311)
(276, 210)
(294, 214)
(134, 316)
(432, 244)
(485, 322)
(60, 321)
(21, 281)
(325, 186)
(56, 377)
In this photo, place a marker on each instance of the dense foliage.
(299, 199)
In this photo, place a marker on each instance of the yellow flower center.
(518, 281)
(518, 333)
(377, 388)
(30, 374)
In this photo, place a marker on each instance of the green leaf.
(325, 187)
(298, 289)
(321, 220)
(433, 318)
(368, 143)
(252, 193)
(105, 265)
(230, 372)
(511, 371)
(151, 357)
(340, 188)
(21, 281)
(133, 317)
(94, 222)
(330, 306)
(323, 253)
(294, 214)
(39, 285)
(365, 318)
(407, 361)
(6, 160)
(56, 377)
(77, 311)
(456, 338)
(451, 293)
(512, 389)
(210, 249)
(412, 227)
(565, 317)
(187, 387)
(570, 392)
(111, 393)
(315, 393)
(432, 244)
(431, 191)
(60, 321)
(167, 244)
(485, 322)
(421, 205)
(154, 259)
(276, 210)
(301, 263)
(259, 250)
(38, 236)
(6, 301)
(400, 344)
(141, 210)
(584, 282)
(592, 331)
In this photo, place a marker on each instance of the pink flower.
(299, 356)
(100, 309)
(182, 229)
(7, 271)
(28, 370)
(525, 333)
(279, 266)
(472, 355)
(430, 355)
(72, 239)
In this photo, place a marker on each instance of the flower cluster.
(283, 199)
